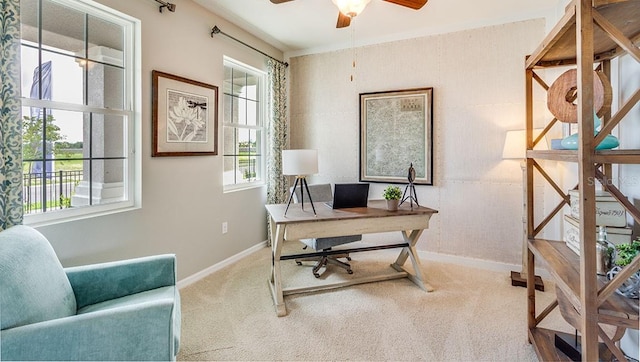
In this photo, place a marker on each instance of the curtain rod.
(216, 30)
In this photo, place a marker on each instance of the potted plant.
(392, 194)
(625, 253)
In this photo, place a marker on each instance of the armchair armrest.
(135, 332)
(99, 282)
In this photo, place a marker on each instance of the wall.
(478, 80)
(628, 80)
(183, 204)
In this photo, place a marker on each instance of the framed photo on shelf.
(396, 131)
(185, 116)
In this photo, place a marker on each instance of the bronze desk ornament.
(411, 176)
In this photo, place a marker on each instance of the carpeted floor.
(473, 315)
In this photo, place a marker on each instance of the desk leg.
(410, 252)
(275, 280)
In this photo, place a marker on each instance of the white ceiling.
(309, 26)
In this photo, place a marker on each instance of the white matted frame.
(396, 131)
(185, 116)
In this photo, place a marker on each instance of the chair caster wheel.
(349, 258)
(350, 271)
(316, 275)
(299, 263)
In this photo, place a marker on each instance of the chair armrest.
(99, 282)
(144, 331)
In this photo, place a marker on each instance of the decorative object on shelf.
(609, 142)
(184, 115)
(392, 194)
(300, 163)
(396, 128)
(609, 211)
(625, 254)
(605, 252)
(615, 235)
(563, 92)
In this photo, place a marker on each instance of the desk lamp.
(300, 163)
(515, 149)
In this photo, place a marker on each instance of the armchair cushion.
(96, 283)
(33, 284)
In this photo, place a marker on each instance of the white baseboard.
(479, 263)
(425, 255)
(214, 268)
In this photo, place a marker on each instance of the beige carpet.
(473, 315)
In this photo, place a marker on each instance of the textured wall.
(478, 80)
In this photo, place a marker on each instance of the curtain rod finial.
(215, 30)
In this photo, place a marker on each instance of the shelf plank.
(601, 156)
(559, 47)
(543, 341)
(564, 267)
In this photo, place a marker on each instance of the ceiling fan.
(350, 8)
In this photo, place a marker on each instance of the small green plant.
(626, 252)
(392, 193)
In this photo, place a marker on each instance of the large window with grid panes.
(80, 98)
(243, 125)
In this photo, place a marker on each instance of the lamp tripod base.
(303, 187)
(519, 280)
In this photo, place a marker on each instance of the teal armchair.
(124, 310)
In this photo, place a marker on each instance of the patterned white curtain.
(276, 133)
(10, 116)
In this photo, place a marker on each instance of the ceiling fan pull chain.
(353, 48)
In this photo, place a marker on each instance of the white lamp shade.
(351, 8)
(515, 144)
(299, 162)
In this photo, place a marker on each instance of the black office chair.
(321, 193)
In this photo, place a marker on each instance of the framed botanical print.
(185, 116)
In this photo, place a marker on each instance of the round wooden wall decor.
(564, 91)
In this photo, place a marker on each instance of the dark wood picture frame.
(184, 115)
(396, 131)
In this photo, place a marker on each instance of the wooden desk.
(299, 224)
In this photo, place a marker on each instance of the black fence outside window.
(49, 190)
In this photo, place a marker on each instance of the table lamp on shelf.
(300, 163)
(515, 149)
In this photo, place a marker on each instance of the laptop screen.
(350, 195)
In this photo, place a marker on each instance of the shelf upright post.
(528, 191)
(586, 180)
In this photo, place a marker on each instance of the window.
(80, 101)
(243, 126)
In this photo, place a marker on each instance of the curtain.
(276, 134)
(10, 116)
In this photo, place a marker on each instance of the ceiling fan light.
(351, 8)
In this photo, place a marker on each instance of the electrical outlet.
(224, 227)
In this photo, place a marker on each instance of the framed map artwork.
(396, 131)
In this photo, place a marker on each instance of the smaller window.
(243, 125)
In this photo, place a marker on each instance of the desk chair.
(320, 194)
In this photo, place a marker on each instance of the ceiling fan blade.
(280, 1)
(413, 4)
(343, 20)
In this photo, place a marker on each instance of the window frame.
(132, 110)
(260, 124)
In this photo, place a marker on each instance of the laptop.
(349, 195)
